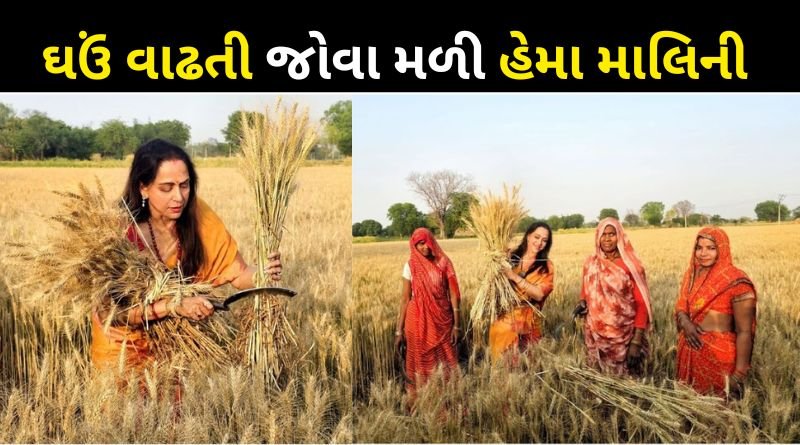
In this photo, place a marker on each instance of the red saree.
(429, 315)
(715, 289)
(617, 300)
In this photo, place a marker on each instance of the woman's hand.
(454, 335)
(511, 275)
(398, 339)
(580, 309)
(737, 385)
(634, 356)
(274, 268)
(195, 308)
(691, 331)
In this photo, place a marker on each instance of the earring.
(144, 201)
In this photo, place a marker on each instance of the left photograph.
(171, 269)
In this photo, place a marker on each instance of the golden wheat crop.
(49, 392)
(549, 397)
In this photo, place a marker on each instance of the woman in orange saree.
(532, 278)
(615, 299)
(716, 318)
(181, 231)
(428, 318)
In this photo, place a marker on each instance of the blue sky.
(579, 153)
(206, 113)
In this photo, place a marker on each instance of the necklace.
(155, 245)
(523, 262)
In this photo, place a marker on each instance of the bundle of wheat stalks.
(273, 147)
(89, 263)
(671, 411)
(493, 220)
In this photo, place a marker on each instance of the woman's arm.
(744, 312)
(405, 296)
(195, 308)
(455, 297)
(529, 291)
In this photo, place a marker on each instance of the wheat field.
(49, 392)
(549, 397)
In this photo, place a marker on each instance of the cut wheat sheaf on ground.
(51, 392)
(552, 396)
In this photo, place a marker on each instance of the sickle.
(225, 305)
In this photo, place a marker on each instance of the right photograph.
(576, 268)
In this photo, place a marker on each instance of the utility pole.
(780, 198)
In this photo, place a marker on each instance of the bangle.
(637, 343)
(398, 333)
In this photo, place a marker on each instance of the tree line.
(34, 135)
(449, 195)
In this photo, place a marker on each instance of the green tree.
(632, 218)
(555, 222)
(454, 218)
(608, 213)
(717, 220)
(338, 122)
(358, 229)
(81, 143)
(9, 135)
(173, 131)
(694, 219)
(370, 227)
(6, 113)
(653, 212)
(525, 222)
(116, 139)
(405, 218)
(796, 213)
(573, 221)
(769, 211)
(40, 137)
(233, 131)
(671, 218)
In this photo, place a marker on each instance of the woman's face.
(537, 240)
(705, 252)
(168, 193)
(423, 249)
(608, 240)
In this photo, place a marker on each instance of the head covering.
(429, 275)
(721, 276)
(628, 256)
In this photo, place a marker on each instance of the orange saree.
(702, 291)
(617, 300)
(522, 326)
(125, 346)
(429, 315)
